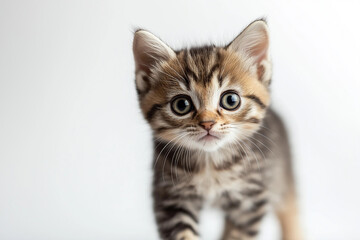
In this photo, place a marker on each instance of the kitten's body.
(241, 161)
(253, 176)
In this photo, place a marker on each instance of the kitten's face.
(202, 98)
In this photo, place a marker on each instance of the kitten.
(215, 137)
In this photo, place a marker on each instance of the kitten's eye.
(230, 101)
(181, 105)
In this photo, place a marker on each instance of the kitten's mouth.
(209, 137)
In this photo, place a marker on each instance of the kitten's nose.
(207, 125)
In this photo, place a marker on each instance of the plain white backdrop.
(75, 152)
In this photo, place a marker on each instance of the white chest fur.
(211, 182)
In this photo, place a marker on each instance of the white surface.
(75, 154)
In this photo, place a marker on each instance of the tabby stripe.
(161, 129)
(170, 121)
(152, 111)
(252, 120)
(190, 196)
(245, 112)
(259, 204)
(250, 222)
(172, 210)
(232, 205)
(212, 70)
(224, 166)
(257, 100)
(193, 115)
(256, 182)
(252, 233)
(220, 79)
(185, 80)
(188, 71)
(253, 193)
(179, 227)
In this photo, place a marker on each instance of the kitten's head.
(208, 97)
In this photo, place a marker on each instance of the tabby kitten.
(215, 137)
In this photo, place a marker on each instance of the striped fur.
(242, 163)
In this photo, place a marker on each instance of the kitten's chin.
(207, 144)
(210, 148)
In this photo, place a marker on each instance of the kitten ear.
(148, 50)
(253, 42)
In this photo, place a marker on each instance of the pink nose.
(207, 125)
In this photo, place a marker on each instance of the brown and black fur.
(243, 177)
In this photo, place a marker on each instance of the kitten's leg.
(244, 222)
(177, 215)
(287, 213)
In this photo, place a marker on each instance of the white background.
(75, 153)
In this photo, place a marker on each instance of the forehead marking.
(190, 66)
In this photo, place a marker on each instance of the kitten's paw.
(187, 235)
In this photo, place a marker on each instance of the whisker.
(256, 159)
(266, 137)
(163, 149)
(188, 159)
(258, 149)
(262, 144)
(238, 141)
(165, 159)
(176, 157)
